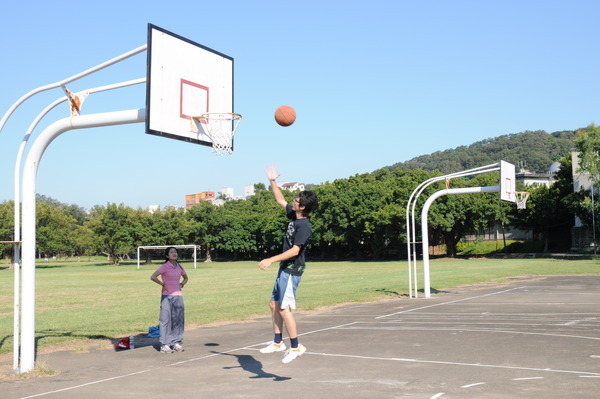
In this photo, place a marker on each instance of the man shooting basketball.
(291, 267)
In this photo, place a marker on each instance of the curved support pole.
(414, 196)
(17, 204)
(29, 179)
(424, 229)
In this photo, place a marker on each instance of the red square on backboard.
(193, 99)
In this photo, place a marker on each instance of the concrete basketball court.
(537, 337)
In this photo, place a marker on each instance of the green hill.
(535, 151)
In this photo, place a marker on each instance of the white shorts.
(284, 290)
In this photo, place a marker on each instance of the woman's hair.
(167, 252)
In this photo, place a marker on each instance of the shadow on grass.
(250, 364)
(140, 340)
(433, 291)
(2, 342)
(49, 266)
(387, 291)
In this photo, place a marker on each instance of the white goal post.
(165, 247)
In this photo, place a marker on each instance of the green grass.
(79, 301)
(487, 247)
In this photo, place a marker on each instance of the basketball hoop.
(521, 197)
(220, 127)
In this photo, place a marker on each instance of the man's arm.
(290, 253)
(272, 175)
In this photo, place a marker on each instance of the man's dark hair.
(309, 201)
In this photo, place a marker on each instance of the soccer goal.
(155, 253)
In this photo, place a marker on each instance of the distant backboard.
(184, 79)
(508, 182)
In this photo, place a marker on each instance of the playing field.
(79, 301)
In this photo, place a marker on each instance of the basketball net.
(220, 128)
(521, 197)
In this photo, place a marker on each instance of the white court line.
(493, 366)
(437, 395)
(86, 384)
(473, 385)
(528, 378)
(536, 314)
(447, 303)
(172, 364)
(535, 303)
(259, 344)
(409, 328)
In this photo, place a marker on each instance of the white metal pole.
(195, 257)
(593, 220)
(69, 80)
(29, 244)
(413, 200)
(424, 229)
(17, 206)
(17, 304)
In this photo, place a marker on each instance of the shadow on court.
(536, 337)
(251, 365)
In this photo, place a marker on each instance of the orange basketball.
(285, 115)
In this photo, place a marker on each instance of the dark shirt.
(298, 232)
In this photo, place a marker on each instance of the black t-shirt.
(298, 232)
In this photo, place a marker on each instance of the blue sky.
(373, 84)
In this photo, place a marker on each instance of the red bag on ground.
(123, 343)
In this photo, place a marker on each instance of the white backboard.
(508, 182)
(184, 79)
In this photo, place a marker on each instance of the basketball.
(285, 115)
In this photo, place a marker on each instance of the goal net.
(155, 254)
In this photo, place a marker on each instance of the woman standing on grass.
(171, 319)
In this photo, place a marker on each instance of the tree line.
(360, 217)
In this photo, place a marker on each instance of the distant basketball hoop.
(521, 199)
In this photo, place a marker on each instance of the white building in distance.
(293, 186)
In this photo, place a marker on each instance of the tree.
(454, 216)
(145, 232)
(7, 229)
(235, 235)
(267, 220)
(170, 227)
(53, 227)
(343, 222)
(388, 224)
(82, 241)
(113, 228)
(204, 227)
(551, 210)
(587, 143)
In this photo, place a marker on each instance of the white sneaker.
(293, 353)
(178, 348)
(273, 347)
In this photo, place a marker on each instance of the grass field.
(91, 300)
